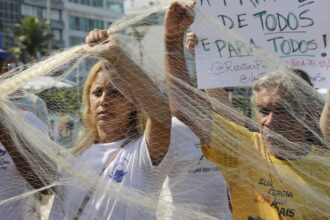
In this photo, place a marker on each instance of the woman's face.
(274, 117)
(109, 108)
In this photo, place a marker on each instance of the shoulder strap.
(91, 191)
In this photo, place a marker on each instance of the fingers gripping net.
(106, 150)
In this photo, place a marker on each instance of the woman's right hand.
(104, 45)
(96, 36)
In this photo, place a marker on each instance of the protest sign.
(294, 32)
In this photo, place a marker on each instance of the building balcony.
(55, 4)
(57, 24)
(58, 44)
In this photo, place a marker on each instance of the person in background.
(256, 165)
(212, 198)
(4, 55)
(23, 99)
(36, 109)
(16, 170)
(325, 118)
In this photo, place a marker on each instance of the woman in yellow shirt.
(276, 173)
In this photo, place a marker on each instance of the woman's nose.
(105, 99)
(269, 120)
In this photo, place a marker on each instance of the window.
(28, 10)
(84, 24)
(11, 6)
(56, 15)
(74, 40)
(109, 24)
(41, 13)
(56, 1)
(94, 3)
(57, 34)
(114, 6)
(97, 3)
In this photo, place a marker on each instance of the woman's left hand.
(178, 18)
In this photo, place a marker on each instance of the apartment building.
(70, 20)
(10, 12)
(85, 15)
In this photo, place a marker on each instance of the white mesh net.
(124, 135)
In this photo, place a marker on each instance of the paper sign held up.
(242, 40)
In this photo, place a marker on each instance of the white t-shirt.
(131, 171)
(11, 182)
(131, 168)
(194, 186)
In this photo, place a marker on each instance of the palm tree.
(31, 37)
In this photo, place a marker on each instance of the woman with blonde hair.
(133, 160)
(89, 133)
(113, 142)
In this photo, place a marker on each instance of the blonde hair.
(88, 134)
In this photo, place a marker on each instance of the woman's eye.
(98, 92)
(281, 111)
(114, 93)
(264, 111)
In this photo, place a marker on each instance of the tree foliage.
(31, 37)
(62, 100)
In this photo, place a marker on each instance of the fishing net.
(129, 136)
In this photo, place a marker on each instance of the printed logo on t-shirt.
(119, 171)
(204, 170)
(4, 162)
(277, 198)
(118, 175)
(201, 169)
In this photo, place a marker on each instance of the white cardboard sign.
(296, 32)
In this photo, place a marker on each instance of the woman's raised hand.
(178, 18)
(104, 45)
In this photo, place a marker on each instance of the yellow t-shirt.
(264, 187)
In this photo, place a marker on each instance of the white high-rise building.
(81, 16)
(71, 20)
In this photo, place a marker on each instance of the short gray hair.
(298, 96)
(291, 86)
